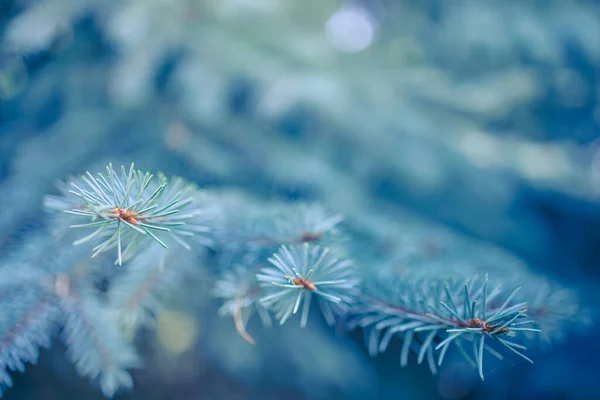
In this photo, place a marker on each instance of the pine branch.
(264, 228)
(35, 303)
(299, 272)
(305, 223)
(29, 315)
(127, 208)
(240, 291)
(94, 343)
(554, 309)
(27, 323)
(430, 315)
(136, 294)
(279, 256)
(249, 225)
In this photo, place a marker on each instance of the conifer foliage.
(275, 260)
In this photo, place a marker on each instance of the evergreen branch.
(27, 323)
(37, 302)
(300, 222)
(553, 308)
(123, 209)
(241, 292)
(298, 272)
(129, 212)
(250, 225)
(431, 315)
(94, 343)
(28, 318)
(137, 293)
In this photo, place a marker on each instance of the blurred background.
(469, 123)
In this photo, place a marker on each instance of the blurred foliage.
(466, 126)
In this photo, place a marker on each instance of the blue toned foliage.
(137, 294)
(124, 209)
(94, 343)
(251, 225)
(270, 259)
(29, 315)
(38, 303)
(430, 315)
(445, 138)
(299, 272)
(240, 292)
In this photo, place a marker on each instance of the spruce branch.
(125, 209)
(279, 257)
(94, 343)
(136, 294)
(240, 291)
(37, 301)
(554, 309)
(298, 272)
(23, 333)
(251, 225)
(29, 317)
(27, 323)
(430, 315)
(306, 223)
